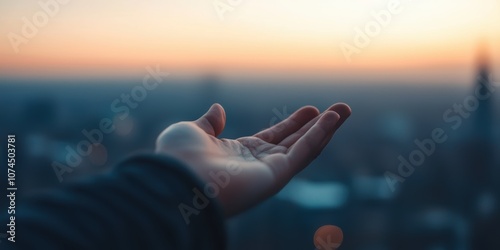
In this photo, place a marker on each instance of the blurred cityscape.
(449, 201)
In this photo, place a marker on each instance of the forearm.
(135, 206)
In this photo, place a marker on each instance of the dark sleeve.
(146, 202)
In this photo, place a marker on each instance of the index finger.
(310, 145)
(290, 125)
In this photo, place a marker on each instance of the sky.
(93, 37)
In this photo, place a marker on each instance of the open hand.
(250, 169)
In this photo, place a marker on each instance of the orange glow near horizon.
(96, 37)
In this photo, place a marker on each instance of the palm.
(255, 149)
(266, 160)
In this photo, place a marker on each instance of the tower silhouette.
(483, 117)
(481, 160)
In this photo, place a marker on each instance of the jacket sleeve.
(146, 202)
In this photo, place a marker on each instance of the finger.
(278, 132)
(309, 146)
(213, 121)
(342, 109)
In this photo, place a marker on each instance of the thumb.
(213, 121)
